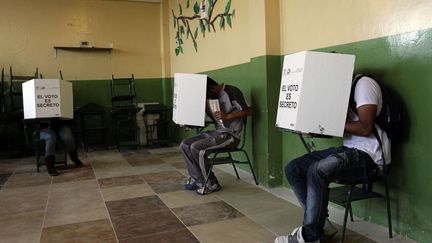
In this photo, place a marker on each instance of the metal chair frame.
(215, 160)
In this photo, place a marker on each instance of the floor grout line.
(46, 208)
(103, 200)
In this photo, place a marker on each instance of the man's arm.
(233, 115)
(365, 125)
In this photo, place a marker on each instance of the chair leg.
(351, 213)
(388, 208)
(207, 177)
(250, 166)
(347, 207)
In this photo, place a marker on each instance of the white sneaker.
(329, 229)
(295, 237)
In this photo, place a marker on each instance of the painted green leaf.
(222, 22)
(196, 8)
(181, 49)
(228, 17)
(210, 7)
(180, 41)
(187, 4)
(177, 51)
(227, 7)
(208, 25)
(233, 13)
(202, 26)
(195, 46)
(180, 9)
(182, 30)
(188, 33)
(196, 33)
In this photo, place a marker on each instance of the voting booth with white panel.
(47, 98)
(314, 92)
(189, 99)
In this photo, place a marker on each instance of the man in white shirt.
(311, 174)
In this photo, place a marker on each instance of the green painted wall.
(402, 62)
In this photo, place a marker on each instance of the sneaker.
(207, 190)
(294, 237)
(191, 186)
(329, 229)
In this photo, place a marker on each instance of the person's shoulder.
(366, 82)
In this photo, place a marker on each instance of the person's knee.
(184, 146)
(291, 169)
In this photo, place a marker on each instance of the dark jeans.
(310, 176)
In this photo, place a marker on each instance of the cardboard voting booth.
(189, 99)
(314, 92)
(47, 98)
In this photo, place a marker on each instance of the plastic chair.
(124, 110)
(228, 158)
(33, 142)
(349, 191)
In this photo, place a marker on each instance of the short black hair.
(211, 82)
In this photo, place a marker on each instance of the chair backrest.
(122, 91)
(31, 135)
(243, 137)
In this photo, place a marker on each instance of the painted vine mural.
(203, 17)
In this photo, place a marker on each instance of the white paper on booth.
(189, 99)
(289, 93)
(214, 106)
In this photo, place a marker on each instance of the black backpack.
(389, 119)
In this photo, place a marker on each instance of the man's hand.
(219, 115)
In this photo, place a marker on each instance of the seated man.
(310, 174)
(49, 135)
(229, 123)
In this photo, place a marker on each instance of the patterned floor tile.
(143, 162)
(126, 192)
(176, 236)
(164, 187)
(120, 181)
(165, 176)
(93, 231)
(186, 198)
(146, 223)
(135, 206)
(21, 227)
(179, 165)
(75, 202)
(235, 230)
(74, 174)
(147, 169)
(24, 199)
(28, 179)
(206, 213)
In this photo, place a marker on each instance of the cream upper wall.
(29, 30)
(225, 47)
(313, 24)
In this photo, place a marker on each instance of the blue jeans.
(310, 176)
(50, 138)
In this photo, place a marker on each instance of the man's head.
(213, 89)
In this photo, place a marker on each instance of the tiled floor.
(137, 196)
